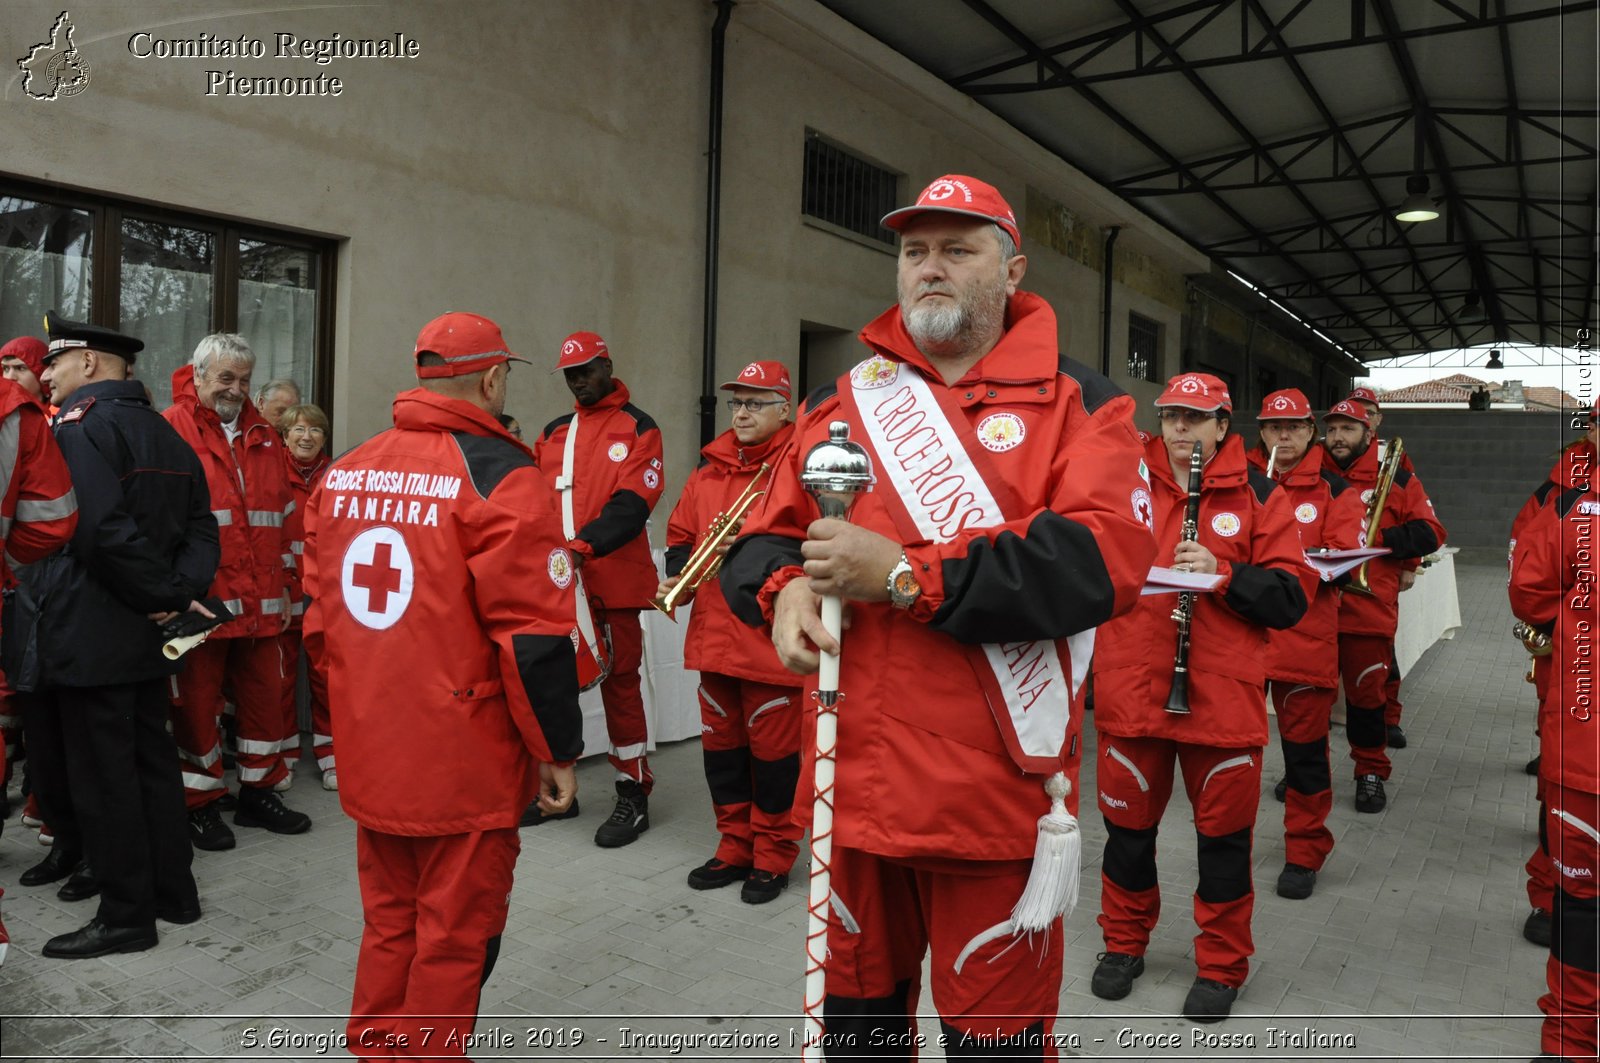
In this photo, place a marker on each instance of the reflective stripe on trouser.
(1391, 691)
(624, 704)
(1134, 776)
(901, 912)
(750, 737)
(1303, 713)
(321, 726)
(1572, 973)
(1364, 667)
(433, 910)
(253, 672)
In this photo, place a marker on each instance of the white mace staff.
(835, 474)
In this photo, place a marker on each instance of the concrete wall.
(543, 163)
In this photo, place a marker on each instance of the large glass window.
(169, 277)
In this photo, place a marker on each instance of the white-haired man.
(250, 497)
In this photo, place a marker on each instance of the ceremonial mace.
(835, 474)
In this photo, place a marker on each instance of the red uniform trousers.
(1303, 714)
(887, 913)
(625, 722)
(321, 724)
(1541, 873)
(434, 909)
(1224, 786)
(1572, 1006)
(750, 737)
(1391, 691)
(10, 730)
(253, 672)
(1364, 664)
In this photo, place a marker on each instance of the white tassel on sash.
(1052, 888)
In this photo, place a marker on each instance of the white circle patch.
(1001, 431)
(1366, 496)
(1305, 513)
(560, 567)
(1143, 511)
(652, 479)
(875, 372)
(377, 577)
(617, 451)
(1225, 525)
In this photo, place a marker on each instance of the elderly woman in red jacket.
(305, 458)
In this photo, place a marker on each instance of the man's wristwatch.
(903, 586)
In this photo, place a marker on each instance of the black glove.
(191, 623)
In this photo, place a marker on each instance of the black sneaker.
(1537, 928)
(1114, 975)
(762, 886)
(533, 815)
(1296, 882)
(1397, 737)
(1369, 794)
(227, 802)
(207, 831)
(264, 808)
(1281, 790)
(1532, 767)
(714, 874)
(1209, 1001)
(629, 819)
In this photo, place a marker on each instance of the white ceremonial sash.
(940, 489)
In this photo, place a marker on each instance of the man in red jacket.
(22, 360)
(605, 460)
(251, 499)
(441, 533)
(1553, 587)
(1303, 661)
(1367, 622)
(1573, 468)
(1246, 534)
(1007, 524)
(749, 703)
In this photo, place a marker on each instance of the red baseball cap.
(30, 350)
(762, 376)
(1363, 395)
(1346, 408)
(468, 343)
(1197, 391)
(581, 348)
(1289, 404)
(957, 194)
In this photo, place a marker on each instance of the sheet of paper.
(1332, 564)
(1170, 581)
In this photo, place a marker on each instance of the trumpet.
(707, 557)
(1536, 642)
(1380, 498)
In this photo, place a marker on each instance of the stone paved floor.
(1411, 945)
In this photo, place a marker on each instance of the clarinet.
(1183, 615)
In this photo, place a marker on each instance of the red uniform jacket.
(1326, 514)
(1250, 527)
(251, 500)
(1553, 581)
(923, 768)
(1573, 468)
(716, 641)
(303, 479)
(1408, 527)
(442, 616)
(38, 509)
(617, 476)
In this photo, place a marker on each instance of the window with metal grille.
(1144, 347)
(843, 189)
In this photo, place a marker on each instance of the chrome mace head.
(837, 471)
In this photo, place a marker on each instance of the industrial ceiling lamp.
(1471, 309)
(1494, 361)
(1417, 206)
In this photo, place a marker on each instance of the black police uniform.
(146, 543)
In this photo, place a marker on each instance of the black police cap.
(65, 335)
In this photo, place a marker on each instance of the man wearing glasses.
(749, 702)
(605, 459)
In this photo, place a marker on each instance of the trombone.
(707, 557)
(1380, 498)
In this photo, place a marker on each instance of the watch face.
(906, 585)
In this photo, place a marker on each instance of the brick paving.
(1411, 946)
